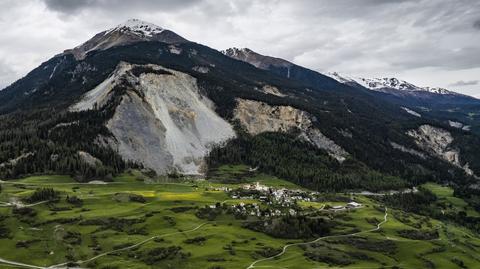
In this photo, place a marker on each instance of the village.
(276, 201)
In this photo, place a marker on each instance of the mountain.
(387, 85)
(139, 96)
(402, 88)
(436, 103)
(283, 68)
(443, 104)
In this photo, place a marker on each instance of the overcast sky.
(427, 42)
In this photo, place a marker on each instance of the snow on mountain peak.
(380, 84)
(138, 27)
(129, 32)
(236, 52)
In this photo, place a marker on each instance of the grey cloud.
(476, 24)
(71, 7)
(462, 83)
(6, 73)
(68, 6)
(424, 56)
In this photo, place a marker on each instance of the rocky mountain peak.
(255, 59)
(131, 31)
(138, 27)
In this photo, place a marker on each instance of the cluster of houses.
(284, 197)
(281, 199)
(255, 210)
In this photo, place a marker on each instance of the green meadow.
(159, 228)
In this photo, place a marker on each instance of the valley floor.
(130, 223)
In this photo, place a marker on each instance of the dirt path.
(20, 204)
(127, 248)
(64, 265)
(19, 264)
(284, 250)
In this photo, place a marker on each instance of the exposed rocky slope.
(258, 117)
(162, 120)
(437, 142)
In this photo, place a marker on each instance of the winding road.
(284, 250)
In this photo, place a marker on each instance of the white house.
(354, 205)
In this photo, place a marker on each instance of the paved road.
(284, 250)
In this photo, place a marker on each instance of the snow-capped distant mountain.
(392, 89)
(387, 84)
(138, 27)
(129, 32)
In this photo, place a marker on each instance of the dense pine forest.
(49, 142)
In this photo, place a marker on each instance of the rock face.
(437, 142)
(162, 120)
(258, 117)
(88, 158)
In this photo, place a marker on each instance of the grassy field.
(447, 201)
(108, 222)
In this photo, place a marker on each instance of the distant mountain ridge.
(376, 84)
(383, 84)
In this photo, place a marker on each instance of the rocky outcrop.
(437, 142)
(201, 69)
(88, 158)
(162, 120)
(459, 125)
(14, 161)
(411, 112)
(258, 117)
(408, 150)
(272, 90)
